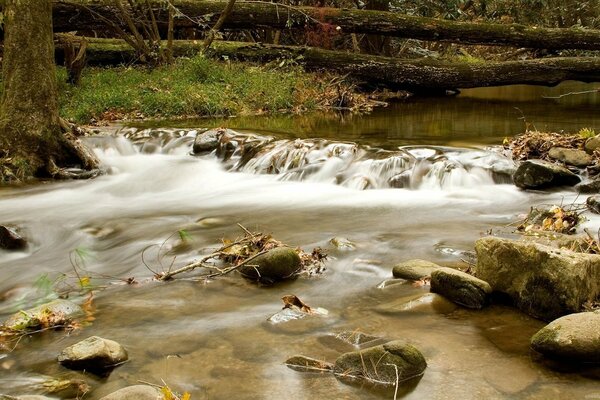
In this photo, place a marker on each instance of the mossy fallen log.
(86, 16)
(411, 74)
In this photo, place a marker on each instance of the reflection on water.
(212, 338)
(482, 116)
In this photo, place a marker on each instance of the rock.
(592, 144)
(589, 187)
(542, 281)
(460, 287)
(207, 141)
(276, 265)
(25, 397)
(137, 392)
(593, 204)
(414, 269)
(538, 174)
(303, 363)
(389, 363)
(10, 240)
(574, 337)
(577, 158)
(56, 312)
(401, 180)
(93, 354)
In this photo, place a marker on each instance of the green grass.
(190, 87)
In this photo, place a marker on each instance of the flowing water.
(415, 180)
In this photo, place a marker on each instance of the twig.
(572, 94)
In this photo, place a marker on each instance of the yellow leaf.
(186, 396)
(167, 393)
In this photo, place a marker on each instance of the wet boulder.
(389, 363)
(10, 240)
(575, 157)
(539, 174)
(593, 204)
(592, 144)
(54, 313)
(589, 187)
(574, 337)
(136, 392)
(207, 141)
(275, 265)
(414, 269)
(94, 354)
(460, 287)
(542, 281)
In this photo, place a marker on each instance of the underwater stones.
(275, 265)
(136, 392)
(577, 158)
(303, 363)
(574, 337)
(414, 269)
(460, 287)
(50, 314)
(542, 281)
(539, 174)
(10, 240)
(94, 354)
(389, 363)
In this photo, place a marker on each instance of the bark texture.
(31, 131)
(411, 74)
(82, 15)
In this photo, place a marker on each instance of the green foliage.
(586, 133)
(190, 87)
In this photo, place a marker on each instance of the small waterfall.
(317, 160)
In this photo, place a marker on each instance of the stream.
(212, 339)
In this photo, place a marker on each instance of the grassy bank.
(199, 87)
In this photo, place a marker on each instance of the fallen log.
(86, 16)
(411, 74)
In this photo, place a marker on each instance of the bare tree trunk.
(210, 36)
(32, 138)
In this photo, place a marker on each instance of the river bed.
(212, 338)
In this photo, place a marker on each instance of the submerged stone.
(276, 265)
(544, 282)
(414, 269)
(460, 287)
(539, 174)
(10, 240)
(387, 364)
(307, 364)
(136, 392)
(94, 354)
(574, 337)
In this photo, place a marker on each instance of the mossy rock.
(389, 363)
(461, 288)
(136, 392)
(574, 337)
(539, 174)
(542, 281)
(57, 311)
(275, 265)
